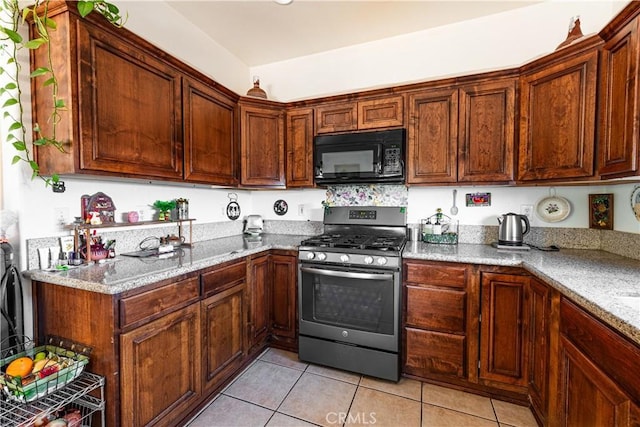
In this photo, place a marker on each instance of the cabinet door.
(618, 150)
(259, 285)
(588, 396)
(261, 146)
(381, 113)
(432, 143)
(283, 297)
(160, 375)
(210, 136)
(336, 117)
(130, 109)
(539, 315)
(557, 119)
(300, 147)
(503, 330)
(223, 334)
(486, 131)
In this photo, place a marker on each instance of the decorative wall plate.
(553, 209)
(280, 207)
(635, 202)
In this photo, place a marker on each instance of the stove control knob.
(368, 259)
(311, 255)
(382, 260)
(322, 256)
(344, 258)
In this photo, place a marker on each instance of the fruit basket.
(29, 372)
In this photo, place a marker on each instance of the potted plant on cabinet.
(12, 43)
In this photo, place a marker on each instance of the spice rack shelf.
(76, 395)
(86, 229)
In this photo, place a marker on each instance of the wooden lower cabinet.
(167, 347)
(435, 320)
(259, 276)
(503, 333)
(538, 367)
(224, 327)
(283, 304)
(596, 383)
(160, 369)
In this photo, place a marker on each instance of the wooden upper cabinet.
(261, 145)
(337, 117)
(375, 113)
(557, 117)
(619, 110)
(486, 132)
(381, 113)
(299, 147)
(432, 141)
(126, 102)
(210, 135)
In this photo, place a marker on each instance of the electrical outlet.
(61, 215)
(527, 210)
(300, 210)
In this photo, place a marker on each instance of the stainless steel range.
(349, 288)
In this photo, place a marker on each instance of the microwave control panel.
(392, 160)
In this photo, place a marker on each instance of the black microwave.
(363, 157)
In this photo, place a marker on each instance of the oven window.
(362, 304)
(342, 162)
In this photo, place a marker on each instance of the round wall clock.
(280, 207)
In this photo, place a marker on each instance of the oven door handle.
(347, 274)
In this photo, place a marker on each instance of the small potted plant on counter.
(165, 208)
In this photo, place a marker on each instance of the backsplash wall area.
(478, 224)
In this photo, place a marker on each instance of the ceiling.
(262, 32)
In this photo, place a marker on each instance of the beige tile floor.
(279, 390)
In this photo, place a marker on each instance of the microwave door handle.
(347, 274)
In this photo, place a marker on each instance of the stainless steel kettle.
(512, 229)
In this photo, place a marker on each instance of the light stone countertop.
(591, 278)
(124, 273)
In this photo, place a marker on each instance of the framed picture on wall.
(601, 211)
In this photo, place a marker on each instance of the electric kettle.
(512, 228)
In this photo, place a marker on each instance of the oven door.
(359, 306)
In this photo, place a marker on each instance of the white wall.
(494, 42)
(157, 22)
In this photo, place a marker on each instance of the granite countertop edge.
(591, 278)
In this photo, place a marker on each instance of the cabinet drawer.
(159, 301)
(435, 274)
(223, 277)
(436, 308)
(436, 353)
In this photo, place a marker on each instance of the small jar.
(182, 206)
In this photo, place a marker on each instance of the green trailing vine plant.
(12, 18)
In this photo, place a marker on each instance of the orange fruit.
(20, 367)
